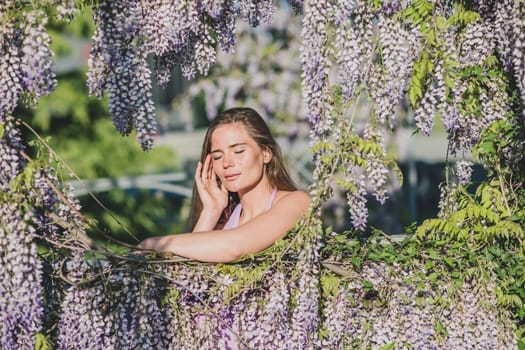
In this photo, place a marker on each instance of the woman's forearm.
(211, 246)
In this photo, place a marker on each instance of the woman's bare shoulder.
(296, 197)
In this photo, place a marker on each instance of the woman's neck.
(255, 201)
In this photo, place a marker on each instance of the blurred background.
(149, 192)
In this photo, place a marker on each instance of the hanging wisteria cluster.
(25, 59)
(34, 213)
(58, 291)
(185, 34)
(21, 305)
(263, 72)
(443, 56)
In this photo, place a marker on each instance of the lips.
(231, 177)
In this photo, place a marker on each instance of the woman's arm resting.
(229, 245)
(209, 246)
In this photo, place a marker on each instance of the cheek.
(217, 166)
(249, 161)
(257, 165)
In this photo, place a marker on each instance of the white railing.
(168, 182)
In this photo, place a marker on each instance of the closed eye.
(239, 151)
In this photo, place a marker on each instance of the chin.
(232, 188)
(236, 187)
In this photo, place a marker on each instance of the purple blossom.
(464, 171)
(36, 61)
(21, 304)
(66, 10)
(305, 318)
(163, 25)
(426, 111)
(349, 59)
(272, 320)
(10, 81)
(389, 85)
(25, 61)
(391, 7)
(478, 43)
(315, 66)
(11, 161)
(225, 26)
(353, 44)
(257, 11)
(337, 320)
(86, 320)
(121, 68)
(448, 203)
(357, 205)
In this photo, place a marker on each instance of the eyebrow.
(230, 146)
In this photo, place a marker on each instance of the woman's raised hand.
(214, 197)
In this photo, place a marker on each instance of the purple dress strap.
(233, 220)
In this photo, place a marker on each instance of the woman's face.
(237, 159)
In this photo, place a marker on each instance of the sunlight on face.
(237, 159)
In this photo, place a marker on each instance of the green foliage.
(420, 12)
(422, 69)
(462, 16)
(42, 343)
(245, 277)
(346, 148)
(481, 233)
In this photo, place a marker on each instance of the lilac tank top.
(233, 220)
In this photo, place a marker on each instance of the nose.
(227, 161)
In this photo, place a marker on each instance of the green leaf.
(356, 262)
(441, 22)
(433, 254)
(388, 346)
(433, 277)
(449, 83)
(340, 238)
(41, 342)
(440, 329)
(367, 285)
(431, 37)
(450, 262)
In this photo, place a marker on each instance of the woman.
(244, 200)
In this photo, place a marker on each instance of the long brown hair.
(258, 130)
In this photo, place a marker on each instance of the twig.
(80, 180)
(58, 193)
(72, 207)
(502, 189)
(75, 210)
(336, 269)
(81, 235)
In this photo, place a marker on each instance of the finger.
(205, 169)
(211, 174)
(216, 178)
(198, 171)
